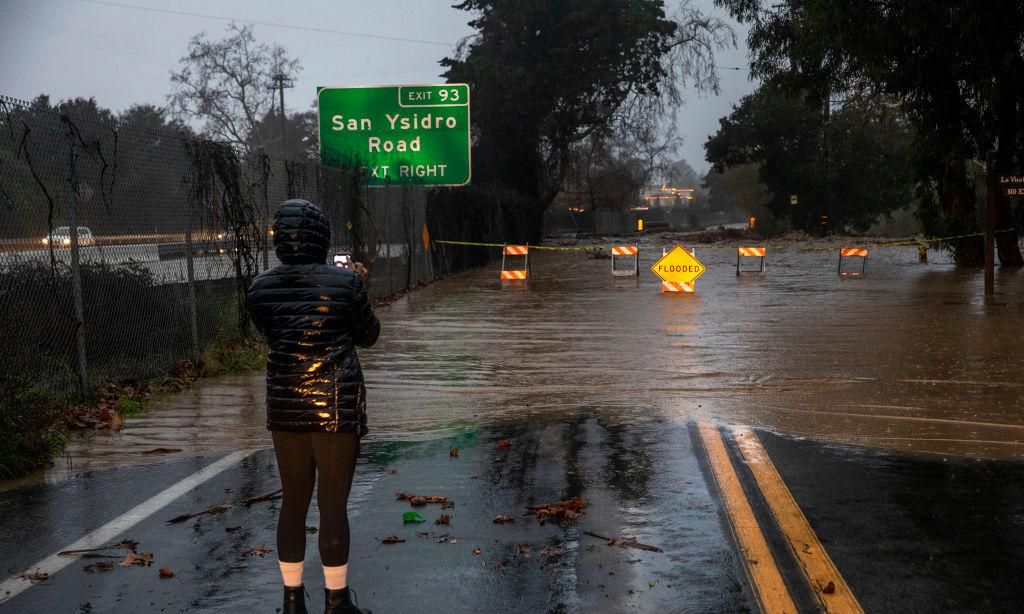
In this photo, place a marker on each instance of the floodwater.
(909, 357)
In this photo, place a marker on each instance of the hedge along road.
(598, 384)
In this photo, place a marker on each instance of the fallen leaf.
(392, 539)
(34, 577)
(143, 559)
(448, 506)
(829, 588)
(99, 566)
(232, 529)
(166, 573)
(502, 519)
(504, 444)
(312, 530)
(260, 551)
(453, 452)
(477, 551)
(420, 499)
(552, 551)
(524, 549)
(565, 510)
(442, 519)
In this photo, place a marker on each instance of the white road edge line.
(15, 585)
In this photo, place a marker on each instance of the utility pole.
(992, 194)
(282, 81)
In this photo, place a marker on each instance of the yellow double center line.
(824, 579)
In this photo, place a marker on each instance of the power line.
(269, 23)
(59, 28)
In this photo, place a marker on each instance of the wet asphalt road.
(891, 406)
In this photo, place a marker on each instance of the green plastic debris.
(412, 517)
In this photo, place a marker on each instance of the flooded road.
(885, 410)
(909, 357)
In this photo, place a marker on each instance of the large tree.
(547, 75)
(952, 67)
(865, 173)
(228, 84)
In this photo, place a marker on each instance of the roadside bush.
(32, 428)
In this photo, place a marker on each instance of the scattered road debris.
(392, 539)
(128, 544)
(443, 519)
(564, 510)
(34, 577)
(218, 508)
(260, 551)
(624, 542)
(99, 566)
(144, 559)
(166, 573)
(418, 500)
(267, 496)
(503, 519)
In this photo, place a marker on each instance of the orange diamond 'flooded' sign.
(678, 266)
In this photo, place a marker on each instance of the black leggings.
(300, 458)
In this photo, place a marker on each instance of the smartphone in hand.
(343, 260)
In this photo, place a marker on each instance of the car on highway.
(61, 237)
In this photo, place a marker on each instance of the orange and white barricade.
(515, 251)
(750, 252)
(626, 251)
(853, 252)
(672, 286)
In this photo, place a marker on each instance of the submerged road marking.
(769, 589)
(15, 585)
(819, 569)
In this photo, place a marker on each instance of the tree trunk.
(1006, 96)
(958, 198)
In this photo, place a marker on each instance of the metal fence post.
(193, 316)
(387, 244)
(76, 271)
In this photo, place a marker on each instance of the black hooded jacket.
(312, 315)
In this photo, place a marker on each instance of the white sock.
(336, 578)
(291, 573)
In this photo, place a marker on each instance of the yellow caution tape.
(730, 247)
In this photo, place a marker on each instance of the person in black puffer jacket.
(313, 315)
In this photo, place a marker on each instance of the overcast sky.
(122, 55)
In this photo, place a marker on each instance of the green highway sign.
(401, 134)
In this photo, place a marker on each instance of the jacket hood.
(301, 233)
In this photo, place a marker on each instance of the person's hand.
(360, 269)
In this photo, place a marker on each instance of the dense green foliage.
(953, 68)
(849, 169)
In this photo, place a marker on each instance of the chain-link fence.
(171, 230)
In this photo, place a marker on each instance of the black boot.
(294, 600)
(341, 601)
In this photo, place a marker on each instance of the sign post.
(678, 269)
(401, 135)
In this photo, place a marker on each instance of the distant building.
(666, 196)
